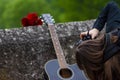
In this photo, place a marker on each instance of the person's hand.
(93, 32)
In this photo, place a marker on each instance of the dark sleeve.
(100, 22)
(102, 18)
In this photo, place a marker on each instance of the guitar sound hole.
(65, 73)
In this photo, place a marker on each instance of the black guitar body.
(54, 72)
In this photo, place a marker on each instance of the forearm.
(102, 18)
(99, 24)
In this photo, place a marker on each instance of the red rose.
(31, 19)
(25, 22)
(39, 22)
(32, 16)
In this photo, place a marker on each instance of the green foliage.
(17, 9)
(76, 10)
(62, 10)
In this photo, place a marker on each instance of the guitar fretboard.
(57, 47)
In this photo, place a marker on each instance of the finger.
(93, 36)
(82, 34)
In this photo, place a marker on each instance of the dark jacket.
(110, 15)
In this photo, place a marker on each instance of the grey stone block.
(24, 51)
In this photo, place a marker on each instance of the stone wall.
(24, 51)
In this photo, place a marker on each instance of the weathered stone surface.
(24, 51)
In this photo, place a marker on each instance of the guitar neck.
(57, 46)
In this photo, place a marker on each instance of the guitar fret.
(58, 49)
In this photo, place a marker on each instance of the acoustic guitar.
(58, 69)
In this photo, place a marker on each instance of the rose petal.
(31, 19)
(39, 22)
(25, 22)
(31, 22)
(32, 16)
